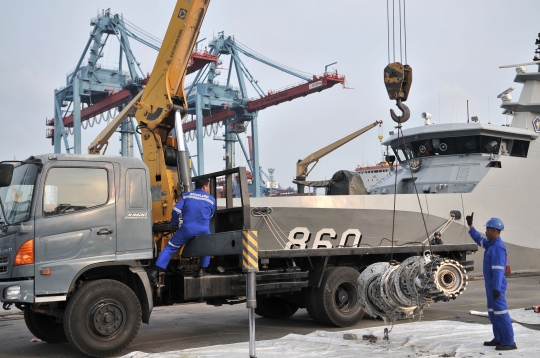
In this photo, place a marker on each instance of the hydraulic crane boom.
(159, 108)
(302, 166)
(165, 88)
(102, 140)
(162, 104)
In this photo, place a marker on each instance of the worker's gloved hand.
(469, 219)
(496, 294)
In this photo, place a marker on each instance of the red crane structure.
(273, 98)
(93, 90)
(116, 99)
(211, 103)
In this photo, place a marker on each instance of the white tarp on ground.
(519, 315)
(419, 339)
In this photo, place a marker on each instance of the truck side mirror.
(6, 173)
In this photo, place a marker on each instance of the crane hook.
(404, 109)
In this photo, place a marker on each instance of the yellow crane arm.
(102, 140)
(302, 167)
(162, 100)
(166, 85)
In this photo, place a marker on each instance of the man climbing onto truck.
(196, 208)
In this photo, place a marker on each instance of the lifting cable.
(402, 27)
(398, 79)
(409, 159)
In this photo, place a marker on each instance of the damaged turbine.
(401, 290)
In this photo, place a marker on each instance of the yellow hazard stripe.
(251, 240)
(250, 262)
(251, 250)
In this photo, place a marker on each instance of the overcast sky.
(454, 48)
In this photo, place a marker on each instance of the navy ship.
(445, 171)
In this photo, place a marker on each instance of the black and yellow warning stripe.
(250, 251)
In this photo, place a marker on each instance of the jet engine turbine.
(399, 290)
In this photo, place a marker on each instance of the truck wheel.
(336, 301)
(275, 307)
(310, 295)
(47, 328)
(102, 318)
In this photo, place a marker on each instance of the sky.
(454, 47)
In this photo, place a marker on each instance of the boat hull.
(332, 221)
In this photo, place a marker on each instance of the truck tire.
(275, 307)
(310, 295)
(336, 301)
(102, 318)
(47, 328)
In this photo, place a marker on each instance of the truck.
(78, 231)
(76, 236)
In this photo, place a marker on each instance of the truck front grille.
(4, 260)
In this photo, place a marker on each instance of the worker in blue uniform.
(196, 209)
(494, 268)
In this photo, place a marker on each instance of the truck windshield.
(17, 198)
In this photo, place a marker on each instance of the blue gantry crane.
(212, 104)
(92, 90)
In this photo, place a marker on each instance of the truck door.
(75, 222)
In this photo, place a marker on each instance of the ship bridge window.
(449, 146)
(519, 148)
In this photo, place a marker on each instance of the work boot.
(153, 273)
(506, 348)
(492, 343)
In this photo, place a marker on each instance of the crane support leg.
(250, 266)
(182, 158)
(200, 134)
(76, 115)
(255, 163)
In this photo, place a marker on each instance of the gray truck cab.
(68, 215)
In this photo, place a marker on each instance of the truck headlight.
(12, 292)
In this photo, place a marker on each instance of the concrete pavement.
(198, 325)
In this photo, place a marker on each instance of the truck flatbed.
(344, 251)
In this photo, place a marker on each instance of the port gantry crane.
(209, 102)
(100, 89)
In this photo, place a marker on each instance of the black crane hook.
(404, 109)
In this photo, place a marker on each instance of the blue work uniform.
(197, 208)
(494, 268)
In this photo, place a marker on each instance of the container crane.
(211, 104)
(104, 89)
(228, 106)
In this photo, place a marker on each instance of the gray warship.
(461, 168)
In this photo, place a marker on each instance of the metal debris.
(393, 291)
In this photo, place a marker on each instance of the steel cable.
(405, 29)
(400, 50)
(415, 189)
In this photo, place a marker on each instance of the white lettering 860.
(300, 238)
